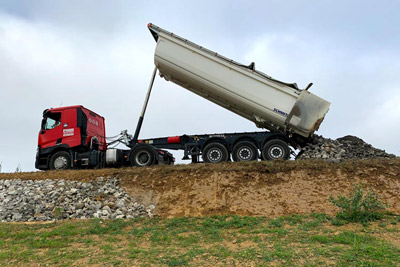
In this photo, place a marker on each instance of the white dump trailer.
(269, 103)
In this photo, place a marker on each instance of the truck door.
(51, 130)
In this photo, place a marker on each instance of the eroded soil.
(257, 188)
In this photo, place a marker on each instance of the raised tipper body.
(269, 103)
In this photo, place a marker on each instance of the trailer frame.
(193, 146)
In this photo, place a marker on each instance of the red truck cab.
(68, 130)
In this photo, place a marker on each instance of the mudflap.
(165, 157)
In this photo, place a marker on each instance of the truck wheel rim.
(60, 163)
(276, 152)
(245, 153)
(143, 158)
(214, 155)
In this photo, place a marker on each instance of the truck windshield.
(51, 120)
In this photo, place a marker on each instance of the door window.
(51, 121)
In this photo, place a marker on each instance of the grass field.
(312, 240)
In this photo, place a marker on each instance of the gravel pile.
(347, 147)
(44, 200)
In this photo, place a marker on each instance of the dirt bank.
(258, 188)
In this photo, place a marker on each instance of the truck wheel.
(275, 149)
(142, 156)
(215, 153)
(244, 151)
(60, 161)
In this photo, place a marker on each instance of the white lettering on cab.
(68, 132)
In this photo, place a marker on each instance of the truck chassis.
(216, 148)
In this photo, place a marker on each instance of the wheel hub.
(60, 163)
(215, 155)
(143, 158)
(276, 152)
(245, 153)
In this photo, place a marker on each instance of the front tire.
(215, 153)
(275, 149)
(142, 157)
(60, 161)
(244, 151)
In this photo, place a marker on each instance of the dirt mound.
(347, 147)
(351, 139)
(257, 188)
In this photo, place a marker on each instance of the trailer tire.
(244, 151)
(142, 156)
(275, 149)
(60, 160)
(215, 153)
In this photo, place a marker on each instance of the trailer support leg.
(195, 158)
(146, 101)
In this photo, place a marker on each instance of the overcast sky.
(99, 54)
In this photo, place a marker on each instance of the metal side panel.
(157, 31)
(262, 103)
(307, 114)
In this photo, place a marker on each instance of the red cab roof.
(72, 107)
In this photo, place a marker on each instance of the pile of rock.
(44, 200)
(347, 147)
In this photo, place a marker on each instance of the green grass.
(304, 240)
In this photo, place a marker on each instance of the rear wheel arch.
(214, 140)
(245, 139)
(273, 137)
